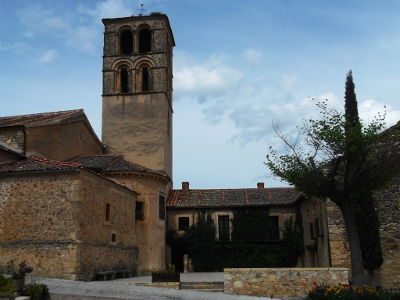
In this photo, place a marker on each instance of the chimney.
(185, 185)
(260, 185)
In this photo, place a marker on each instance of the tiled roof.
(97, 162)
(38, 164)
(194, 198)
(40, 119)
(113, 163)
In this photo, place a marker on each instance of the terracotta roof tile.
(197, 198)
(40, 119)
(38, 164)
(113, 163)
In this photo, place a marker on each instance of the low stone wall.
(70, 259)
(285, 282)
(49, 259)
(96, 257)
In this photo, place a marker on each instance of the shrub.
(7, 287)
(346, 292)
(37, 291)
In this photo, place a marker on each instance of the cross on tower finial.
(141, 10)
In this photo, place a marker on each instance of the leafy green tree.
(340, 159)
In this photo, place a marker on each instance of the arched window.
(126, 42)
(145, 80)
(144, 40)
(123, 80)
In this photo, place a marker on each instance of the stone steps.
(204, 286)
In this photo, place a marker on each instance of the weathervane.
(141, 10)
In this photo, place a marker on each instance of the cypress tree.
(365, 214)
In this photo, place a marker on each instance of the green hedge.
(246, 255)
(37, 291)
(346, 292)
(7, 287)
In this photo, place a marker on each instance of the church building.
(72, 205)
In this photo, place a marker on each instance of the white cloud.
(252, 104)
(210, 78)
(253, 56)
(48, 56)
(65, 27)
(109, 9)
(370, 108)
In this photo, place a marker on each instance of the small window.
(108, 215)
(123, 73)
(317, 228)
(145, 80)
(273, 234)
(161, 207)
(145, 41)
(113, 237)
(139, 211)
(126, 42)
(223, 228)
(183, 223)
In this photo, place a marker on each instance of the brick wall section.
(388, 207)
(14, 138)
(56, 224)
(277, 283)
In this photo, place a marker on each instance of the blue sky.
(239, 66)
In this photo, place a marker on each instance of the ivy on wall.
(250, 247)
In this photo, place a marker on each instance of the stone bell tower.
(137, 89)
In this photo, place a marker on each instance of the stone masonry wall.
(37, 223)
(94, 258)
(56, 223)
(388, 206)
(96, 250)
(95, 194)
(40, 208)
(150, 231)
(338, 244)
(49, 259)
(387, 203)
(277, 283)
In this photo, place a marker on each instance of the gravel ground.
(120, 289)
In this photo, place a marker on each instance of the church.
(72, 205)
